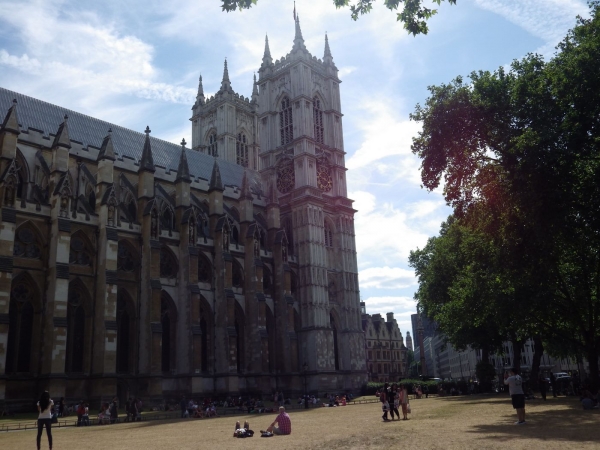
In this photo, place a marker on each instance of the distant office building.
(429, 326)
(409, 342)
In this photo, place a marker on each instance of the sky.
(136, 63)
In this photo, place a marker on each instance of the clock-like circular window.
(324, 180)
(286, 179)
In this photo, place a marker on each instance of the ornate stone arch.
(24, 177)
(329, 232)
(29, 242)
(286, 120)
(81, 251)
(169, 265)
(267, 282)
(242, 146)
(318, 119)
(128, 207)
(24, 312)
(127, 256)
(168, 320)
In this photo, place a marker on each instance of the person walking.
(403, 398)
(515, 388)
(394, 401)
(542, 384)
(385, 406)
(45, 406)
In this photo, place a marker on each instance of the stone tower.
(302, 163)
(225, 125)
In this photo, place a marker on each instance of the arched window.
(166, 219)
(26, 245)
(92, 199)
(132, 210)
(75, 330)
(237, 277)
(318, 119)
(235, 235)
(286, 126)
(124, 332)
(328, 236)
(80, 254)
(126, 261)
(206, 320)
(241, 150)
(20, 329)
(202, 223)
(332, 291)
(168, 264)
(267, 283)
(204, 270)
(211, 149)
(168, 321)
(336, 355)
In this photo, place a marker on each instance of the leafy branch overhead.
(412, 13)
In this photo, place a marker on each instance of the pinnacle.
(183, 170)
(107, 150)
(11, 121)
(147, 162)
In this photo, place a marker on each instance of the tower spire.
(298, 39)
(267, 59)
(225, 83)
(62, 135)
(255, 90)
(11, 121)
(327, 54)
(107, 150)
(200, 96)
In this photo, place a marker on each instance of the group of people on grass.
(392, 397)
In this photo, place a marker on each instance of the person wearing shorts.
(515, 388)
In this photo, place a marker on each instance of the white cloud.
(546, 19)
(387, 278)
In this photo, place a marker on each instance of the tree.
(412, 13)
(518, 153)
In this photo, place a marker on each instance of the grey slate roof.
(46, 117)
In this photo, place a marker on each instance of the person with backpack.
(114, 411)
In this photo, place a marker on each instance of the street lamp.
(305, 370)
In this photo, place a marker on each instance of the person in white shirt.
(45, 406)
(515, 388)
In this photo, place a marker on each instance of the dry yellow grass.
(476, 422)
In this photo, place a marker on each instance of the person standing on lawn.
(44, 407)
(515, 388)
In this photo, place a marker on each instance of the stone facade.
(385, 350)
(132, 266)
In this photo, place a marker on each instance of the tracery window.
(79, 253)
(204, 270)
(166, 220)
(286, 177)
(20, 331)
(26, 245)
(75, 331)
(132, 210)
(125, 258)
(286, 126)
(237, 278)
(324, 178)
(168, 264)
(241, 150)
(318, 120)
(212, 144)
(328, 236)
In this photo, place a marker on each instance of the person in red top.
(284, 422)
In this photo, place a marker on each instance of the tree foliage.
(518, 154)
(412, 13)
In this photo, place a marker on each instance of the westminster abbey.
(132, 266)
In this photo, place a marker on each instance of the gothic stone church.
(133, 266)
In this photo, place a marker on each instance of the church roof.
(89, 131)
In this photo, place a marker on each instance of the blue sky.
(136, 63)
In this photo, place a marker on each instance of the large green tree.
(518, 153)
(412, 13)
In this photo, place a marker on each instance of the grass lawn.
(470, 422)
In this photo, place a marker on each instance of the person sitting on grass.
(284, 424)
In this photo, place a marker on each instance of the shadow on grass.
(549, 425)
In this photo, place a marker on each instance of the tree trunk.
(538, 351)
(517, 345)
